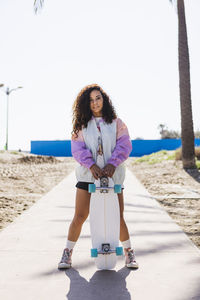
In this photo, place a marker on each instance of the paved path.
(31, 247)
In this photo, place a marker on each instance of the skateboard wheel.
(92, 188)
(117, 188)
(119, 251)
(94, 252)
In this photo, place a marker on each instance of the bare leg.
(80, 215)
(124, 234)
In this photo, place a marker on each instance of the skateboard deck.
(105, 225)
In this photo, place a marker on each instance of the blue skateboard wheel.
(94, 252)
(117, 188)
(119, 251)
(92, 188)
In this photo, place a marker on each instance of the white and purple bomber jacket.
(116, 148)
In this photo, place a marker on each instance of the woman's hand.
(109, 170)
(96, 171)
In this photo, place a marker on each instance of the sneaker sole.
(131, 266)
(64, 266)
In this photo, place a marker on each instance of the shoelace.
(131, 256)
(66, 255)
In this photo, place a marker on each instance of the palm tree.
(187, 131)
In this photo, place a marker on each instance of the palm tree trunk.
(187, 131)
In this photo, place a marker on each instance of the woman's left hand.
(109, 170)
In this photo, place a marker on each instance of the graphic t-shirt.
(97, 119)
(100, 146)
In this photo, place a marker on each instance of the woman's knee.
(79, 219)
(122, 221)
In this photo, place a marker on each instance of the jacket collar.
(101, 120)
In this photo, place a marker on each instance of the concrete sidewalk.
(31, 247)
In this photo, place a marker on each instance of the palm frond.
(38, 4)
(174, 3)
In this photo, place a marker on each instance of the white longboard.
(105, 225)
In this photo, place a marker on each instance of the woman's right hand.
(96, 171)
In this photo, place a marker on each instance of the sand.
(24, 178)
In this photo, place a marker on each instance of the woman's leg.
(80, 215)
(124, 234)
(130, 261)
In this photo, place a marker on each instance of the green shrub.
(156, 157)
(198, 164)
(178, 153)
(14, 152)
(197, 152)
(171, 156)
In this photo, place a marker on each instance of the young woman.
(97, 132)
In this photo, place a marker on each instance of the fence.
(140, 147)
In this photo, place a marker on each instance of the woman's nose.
(94, 101)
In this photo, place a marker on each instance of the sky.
(129, 48)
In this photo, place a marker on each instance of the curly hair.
(82, 113)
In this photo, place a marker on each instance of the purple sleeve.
(121, 152)
(81, 154)
(123, 145)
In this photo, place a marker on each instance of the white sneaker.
(66, 260)
(130, 260)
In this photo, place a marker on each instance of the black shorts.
(84, 185)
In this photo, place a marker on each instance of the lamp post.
(8, 91)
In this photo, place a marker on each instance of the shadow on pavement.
(194, 173)
(65, 206)
(147, 221)
(64, 220)
(144, 206)
(159, 249)
(104, 284)
(82, 236)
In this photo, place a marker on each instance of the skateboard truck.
(104, 181)
(104, 186)
(105, 249)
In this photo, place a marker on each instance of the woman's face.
(96, 103)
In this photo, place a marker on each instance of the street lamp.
(8, 91)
